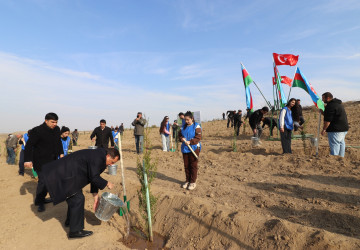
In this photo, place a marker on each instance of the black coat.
(68, 175)
(336, 115)
(44, 145)
(103, 137)
(255, 118)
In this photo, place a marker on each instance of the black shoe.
(22, 174)
(80, 234)
(41, 208)
(67, 223)
(49, 200)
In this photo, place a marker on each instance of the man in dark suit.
(44, 145)
(103, 135)
(66, 177)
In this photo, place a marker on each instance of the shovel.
(172, 145)
(193, 151)
(121, 212)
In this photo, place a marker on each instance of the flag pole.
(292, 83)
(267, 102)
(318, 135)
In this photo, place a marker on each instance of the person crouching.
(190, 135)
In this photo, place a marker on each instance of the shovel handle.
(192, 151)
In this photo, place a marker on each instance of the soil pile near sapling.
(255, 198)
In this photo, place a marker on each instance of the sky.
(88, 60)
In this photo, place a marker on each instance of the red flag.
(284, 79)
(285, 59)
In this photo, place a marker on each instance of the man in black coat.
(270, 122)
(44, 145)
(255, 120)
(103, 135)
(237, 122)
(66, 177)
(335, 124)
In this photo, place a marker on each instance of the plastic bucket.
(112, 169)
(314, 142)
(109, 204)
(255, 141)
(92, 147)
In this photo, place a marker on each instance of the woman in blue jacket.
(286, 125)
(190, 135)
(66, 140)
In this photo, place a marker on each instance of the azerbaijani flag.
(247, 81)
(301, 82)
(280, 89)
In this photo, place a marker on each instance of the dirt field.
(255, 198)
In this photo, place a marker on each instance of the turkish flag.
(285, 59)
(284, 79)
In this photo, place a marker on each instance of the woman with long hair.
(165, 132)
(286, 125)
(190, 136)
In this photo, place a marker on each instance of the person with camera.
(139, 124)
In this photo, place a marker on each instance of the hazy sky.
(88, 60)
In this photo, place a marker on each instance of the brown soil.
(255, 198)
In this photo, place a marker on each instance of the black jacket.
(336, 115)
(296, 112)
(102, 137)
(237, 119)
(255, 118)
(44, 145)
(68, 175)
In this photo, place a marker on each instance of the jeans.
(11, 156)
(21, 162)
(139, 142)
(337, 143)
(259, 131)
(165, 142)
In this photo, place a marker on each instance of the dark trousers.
(230, 120)
(139, 142)
(237, 128)
(21, 162)
(74, 142)
(11, 156)
(286, 141)
(302, 120)
(41, 190)
(191, 166)
(75, 212)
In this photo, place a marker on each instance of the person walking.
(114, 134)
(75, 137)
(11, 146)
(255, 119)
(66, 140)
(44, 145)
(237, 122)
(286, 125)
(121, 130)
(23, 142)
(335, 124)
(165, 132)
(103, 135)
(190, 135)
(65, 179)
(139, 124)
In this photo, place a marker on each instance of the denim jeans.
(11, 156)
(337, 143)
(165, 142)
(139, 142)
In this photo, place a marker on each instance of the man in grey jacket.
(139, 124)
(11, 145)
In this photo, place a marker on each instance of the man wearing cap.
(103, 135)
(139, 124)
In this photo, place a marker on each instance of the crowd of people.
(62, 173)
(291, 119)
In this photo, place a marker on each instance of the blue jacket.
(65, 144)
(115, 134)
(26, 138)
(288, 120)
(168, 129)
(188, 132)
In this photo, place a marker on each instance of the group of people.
(45, 149)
